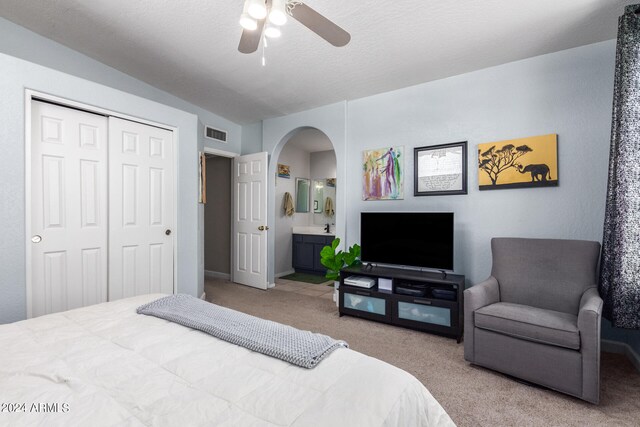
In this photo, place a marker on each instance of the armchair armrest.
(476, 297)
(482, 294)
(590, 304)
(589, 318)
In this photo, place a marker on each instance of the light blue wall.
(18, 75)
(251, 138)
(22, 43)
(569, 93)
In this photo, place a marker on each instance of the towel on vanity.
(328, 207)
(287, 204)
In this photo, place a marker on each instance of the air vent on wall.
(215, 134)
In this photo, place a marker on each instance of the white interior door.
(141, 210)
(250, 220)
(69, 219)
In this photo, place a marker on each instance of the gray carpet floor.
(471, 395)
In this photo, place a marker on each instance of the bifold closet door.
(68, 209)
(141, 210)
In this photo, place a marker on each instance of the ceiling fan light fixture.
(257, 9)
(278, 12)
(299, 11)
(247, 22)
(272, 32)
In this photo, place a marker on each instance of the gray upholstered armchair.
(538, 316)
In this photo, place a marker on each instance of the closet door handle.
(168, 232)
(36, 239)
(261, 228)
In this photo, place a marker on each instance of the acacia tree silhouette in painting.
(494, 162)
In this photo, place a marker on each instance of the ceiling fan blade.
(250, 40)
(319, 24)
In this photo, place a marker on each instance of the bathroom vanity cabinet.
(306, 252)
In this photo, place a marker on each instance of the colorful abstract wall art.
(383, 174)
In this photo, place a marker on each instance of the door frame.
(229, 155)
(31, 95)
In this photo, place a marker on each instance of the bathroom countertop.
(315, 230)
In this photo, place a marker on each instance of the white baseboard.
(271, 285)
(203, 296)
(285, 273)
(217, 275)
(621, 348)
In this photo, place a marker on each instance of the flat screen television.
(416, 239)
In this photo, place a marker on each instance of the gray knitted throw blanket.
(302, 348)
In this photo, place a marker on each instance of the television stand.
(421, 300)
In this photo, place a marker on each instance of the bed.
(105, 365)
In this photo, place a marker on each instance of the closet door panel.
(141, 209)
(68, 203)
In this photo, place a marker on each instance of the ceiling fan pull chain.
(264, 46)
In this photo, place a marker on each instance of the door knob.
(36, 239)
(261, 228)
(168, 232)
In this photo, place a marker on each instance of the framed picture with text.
(440, 169)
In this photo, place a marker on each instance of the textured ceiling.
(189, 48)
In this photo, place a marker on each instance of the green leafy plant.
(336, 261)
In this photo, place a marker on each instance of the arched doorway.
(304, 203)
(276, 132)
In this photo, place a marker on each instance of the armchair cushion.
(530, 323)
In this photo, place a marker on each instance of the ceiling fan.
(266, 16)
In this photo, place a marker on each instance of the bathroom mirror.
(318, 192)
(324, 193)
(302, 194)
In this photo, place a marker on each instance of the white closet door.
(68, 209)
(141, 211)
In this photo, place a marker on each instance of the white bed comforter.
(105, 365)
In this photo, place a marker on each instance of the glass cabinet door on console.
(363, 303)
(425, 313)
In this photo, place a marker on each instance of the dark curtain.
(620, 264)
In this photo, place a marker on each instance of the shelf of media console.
(440, 315)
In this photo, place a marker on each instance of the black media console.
(426, 301)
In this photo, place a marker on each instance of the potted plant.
(336, 261)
